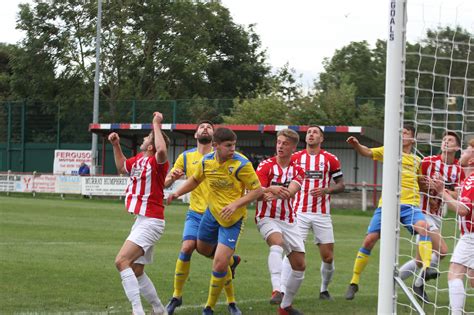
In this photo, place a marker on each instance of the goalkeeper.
(410, 214)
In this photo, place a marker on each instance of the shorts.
(434, 222)
(191, 225)
(409, 216)
(464, 251)
(211, 232)
(145, 233)
(321, 225)
(292, 241)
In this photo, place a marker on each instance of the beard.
(204, 139)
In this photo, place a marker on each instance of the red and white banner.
(67, 162)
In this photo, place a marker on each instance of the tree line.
(168, 50)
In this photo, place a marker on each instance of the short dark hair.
(223, 134)
(410, 128)
(316, 126)
(454, 134)
(204, 122)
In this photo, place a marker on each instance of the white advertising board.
(10, 182)
(37, 183)
(67, 162)
(68, 184)
(103, 186)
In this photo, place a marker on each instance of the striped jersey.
(144, 193)
(271, 174)
(319, 170)
(466, 223)
(188, 161)
(433, 166)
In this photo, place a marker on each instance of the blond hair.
(290, 134)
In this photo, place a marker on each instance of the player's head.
(224, 141)
(314, 136)
(204, 132)
(148, 143)
(408, 135)
(287, 140)
(467, 155)
(451, 142)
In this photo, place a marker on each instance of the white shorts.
(464, 251)
(292, 241)
(145, 233)
(321, 225)
(434, 221)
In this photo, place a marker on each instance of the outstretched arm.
(118, 154)
(190, 184)
(161, 154)
(361, 149)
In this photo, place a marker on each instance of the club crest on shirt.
(321, 165)
(231, 169)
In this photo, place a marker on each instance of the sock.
(285, 273)
(425, 249)
(435, 258)
(275, 265)
(132, 291)
(456, 296)
(147, 289)
(359, 264)
(294, 282)
(181, 273)
(215, 287)
(327, 271)
(229, 287)
(408, 269)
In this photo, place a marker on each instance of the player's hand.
(352, 141)
(170, 198)
(157, 118)
(228, 211)
(281, 192)
(114, 138)
(318, 192)
(436, 184)
(435, 204)
(268, 196)
(176, 174)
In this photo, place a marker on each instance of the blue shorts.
(409, 215)
(211, 232)
(191, 225)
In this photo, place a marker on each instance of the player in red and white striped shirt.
(282, 178)
(312, 202)
(444, 166)
(144, 198)
(462, 261)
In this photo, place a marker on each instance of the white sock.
(132, 291)
(456, 296)
(434, 260)
(294, 282)
(275, 262)
(285, 273)
(327, 271)
(147, 289)
(408, 269)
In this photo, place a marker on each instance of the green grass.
(57, 256)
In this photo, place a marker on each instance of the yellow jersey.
(411, 169)
(227, 182)
(188, 161)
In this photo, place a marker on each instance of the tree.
(263, 109)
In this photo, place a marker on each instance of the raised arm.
(361, 149)
(190, 184)
(453, 204)
(118, 154)
(160, 144)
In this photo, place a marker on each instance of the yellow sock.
(425, 248)
(229, 287)
(215, 287)
(359, 264)
(181, 273)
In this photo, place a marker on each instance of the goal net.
(436, 58)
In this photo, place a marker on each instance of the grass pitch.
(57, 256)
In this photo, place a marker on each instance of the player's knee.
(370, 240)
(188, 247)
(138, 269)
(328, 258)
(121, 262)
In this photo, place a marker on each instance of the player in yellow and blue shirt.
(410, 214)
(228, 175)
(185, 165)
